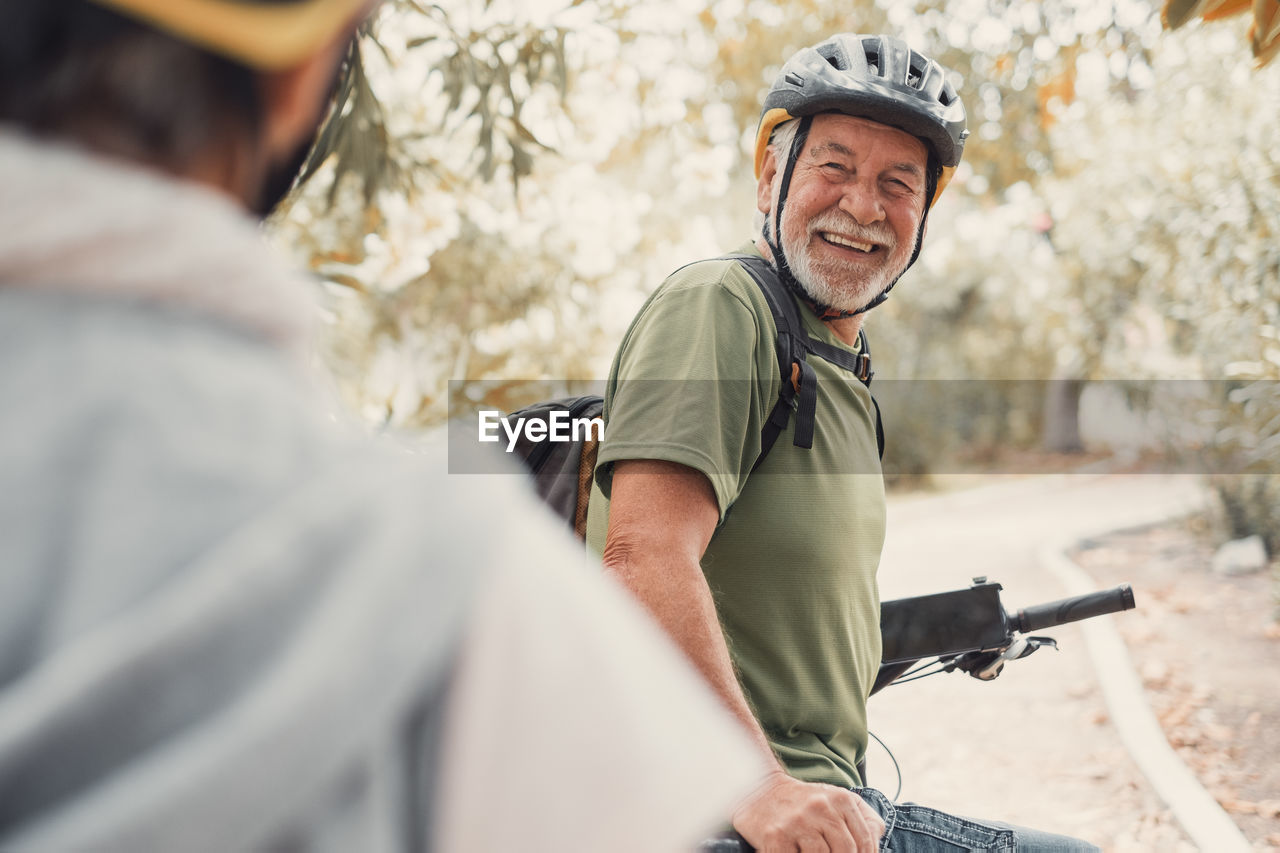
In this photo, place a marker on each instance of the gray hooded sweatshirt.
(227, 624)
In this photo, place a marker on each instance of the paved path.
(1035, 746)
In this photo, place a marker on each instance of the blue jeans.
(909, 828)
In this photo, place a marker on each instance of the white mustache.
(847, 226)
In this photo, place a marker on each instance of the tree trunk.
(1062, 416)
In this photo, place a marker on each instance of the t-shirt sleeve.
(573, 724)
(688, 386)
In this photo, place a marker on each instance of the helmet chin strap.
(774, 240)
(780, 257)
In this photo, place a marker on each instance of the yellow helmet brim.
(269, 37)
(768, 122)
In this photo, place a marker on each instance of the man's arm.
(661, 518)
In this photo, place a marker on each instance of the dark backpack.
(563, 470)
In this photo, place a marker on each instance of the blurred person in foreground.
(223, 624)
(761, 561)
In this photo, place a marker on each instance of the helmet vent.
(915, 74)
(831, 53)
(873, 61)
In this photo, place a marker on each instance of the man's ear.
(764, 185)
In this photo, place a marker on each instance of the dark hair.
(75, 70)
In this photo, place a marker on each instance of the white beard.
(827, 282)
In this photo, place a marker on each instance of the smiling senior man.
(745, 507)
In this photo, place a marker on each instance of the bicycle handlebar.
(1074, 609)
(1034, 618)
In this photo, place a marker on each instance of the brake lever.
(986, 666)
(1033, 643)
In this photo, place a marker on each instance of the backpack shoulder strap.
(859, 363)
(799, 383)
(799, 389)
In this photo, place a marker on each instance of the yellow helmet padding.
(948, 172)
(269, 37)
(777, 116)
(768, 122)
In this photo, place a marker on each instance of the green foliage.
(1169, 207)
(504, 186)
(485, 72)
(1250, 505)
(495, 68)
(1248, 436)
(1264, 33)
(955, 426)
(355, 135)
(1182, 244)
(437, 262)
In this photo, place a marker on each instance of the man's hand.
(785, 815)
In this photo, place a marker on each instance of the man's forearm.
(661, 517)
(675, 592)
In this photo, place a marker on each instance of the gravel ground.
(1208, 651)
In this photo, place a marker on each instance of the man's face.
(856, 201)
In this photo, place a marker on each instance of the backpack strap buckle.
(864, 371)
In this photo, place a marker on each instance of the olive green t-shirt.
(792, 564)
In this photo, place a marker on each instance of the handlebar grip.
(726, 842)
(1075, 608)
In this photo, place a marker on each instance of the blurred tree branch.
(487, 72)
(1264, 34)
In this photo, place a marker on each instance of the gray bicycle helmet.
(874, 77)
